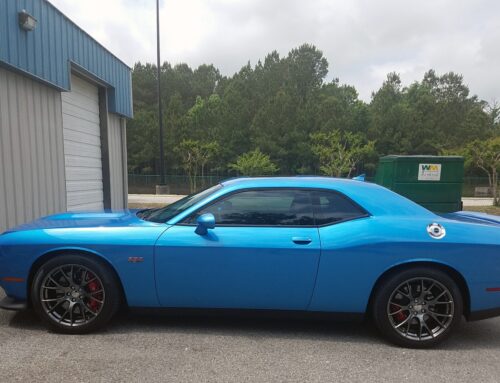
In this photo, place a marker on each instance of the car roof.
(376, 199)
(297, 181)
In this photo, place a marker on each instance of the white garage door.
(82, 146)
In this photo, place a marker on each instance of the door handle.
(301, 240)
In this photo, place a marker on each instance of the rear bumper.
(484, 314)
(9, 303)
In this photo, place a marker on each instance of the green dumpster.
(434, 182)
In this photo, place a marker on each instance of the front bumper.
(9, 303)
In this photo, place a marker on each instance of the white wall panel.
(82, 146)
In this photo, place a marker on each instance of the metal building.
(64, 101)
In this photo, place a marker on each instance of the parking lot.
(162, 348)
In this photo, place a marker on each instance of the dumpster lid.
(397, 157)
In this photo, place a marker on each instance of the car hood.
(83, 219)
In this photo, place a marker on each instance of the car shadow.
(24, 320)
(484, 334)
(252, 325)
(470, 336)
(249, 326)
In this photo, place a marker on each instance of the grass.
(495, 210)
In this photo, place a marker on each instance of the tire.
(411, 316)
(75, 294)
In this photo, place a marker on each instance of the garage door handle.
(301, 240)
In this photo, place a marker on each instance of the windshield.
(166, 213)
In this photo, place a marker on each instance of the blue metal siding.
(48, 51)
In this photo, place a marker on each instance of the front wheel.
(418, 307)
(75, 294)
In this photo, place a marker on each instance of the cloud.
(362, 39)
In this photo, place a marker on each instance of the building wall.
(117, 142)
(55, 46)
(32, 180)
(35, 67)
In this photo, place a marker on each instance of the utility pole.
(161, 188)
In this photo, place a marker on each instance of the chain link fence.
(476, 187)
(177, 184)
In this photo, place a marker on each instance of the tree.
(276, 129)
(307, 68)
(142, 142)
(281, 103)
(254, 163)
(485, 154)
(338, 152)
(208, 151)
(205, 79)
(195, 156)
(493, 111)
(387, 117)
(144, 86)
(426, 117)
(338, 107)
(205, 118)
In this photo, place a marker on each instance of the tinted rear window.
(331, 207)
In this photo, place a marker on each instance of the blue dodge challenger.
(307, 244)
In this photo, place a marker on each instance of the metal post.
(160, 111)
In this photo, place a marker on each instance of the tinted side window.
(330, 207)
(275, 207)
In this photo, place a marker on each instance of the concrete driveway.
(476, 201)
(137, 201)
(161, 348)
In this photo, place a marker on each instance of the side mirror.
(204, 222)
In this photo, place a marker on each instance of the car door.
(262, 254)
(346, 274)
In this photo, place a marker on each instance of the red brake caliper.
(400, 316)
(94, 286)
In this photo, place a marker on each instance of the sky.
(363, 40)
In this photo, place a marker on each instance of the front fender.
(21, 252)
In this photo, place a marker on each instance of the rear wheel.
(75, 294)
(418, 307)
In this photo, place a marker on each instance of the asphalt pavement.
(166, 348)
